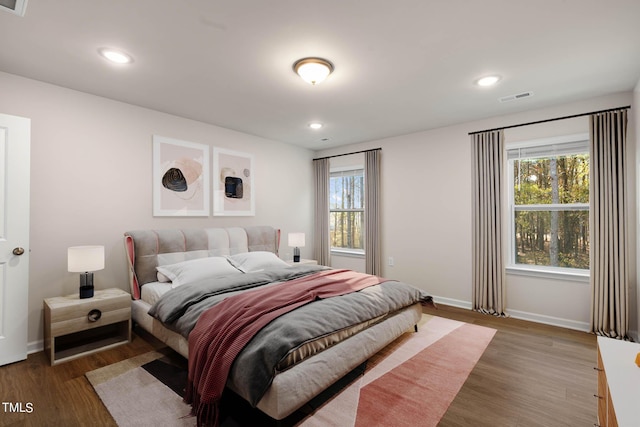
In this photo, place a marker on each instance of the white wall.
(426, 191)
(91, 181)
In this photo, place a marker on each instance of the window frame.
(349, 252)
(544, 271)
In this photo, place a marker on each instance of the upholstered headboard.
(147, 249)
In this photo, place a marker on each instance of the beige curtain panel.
(322, 248)
(488, 268)
(372, 222)
(608, 223)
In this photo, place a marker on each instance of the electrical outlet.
(391, 262)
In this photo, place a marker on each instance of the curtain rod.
(347, 154)
(551, 120)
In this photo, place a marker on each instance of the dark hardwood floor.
(61, 395)
(530, 375)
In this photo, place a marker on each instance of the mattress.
(152, 292)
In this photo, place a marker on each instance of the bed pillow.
(162, 278)
(255, 261)
(196, 269)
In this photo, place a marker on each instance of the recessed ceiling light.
(488, 81)
(315, 125)
(115, 56)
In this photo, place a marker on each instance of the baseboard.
(550, 320)
(452, 302)
(523, 315)
(35, 346)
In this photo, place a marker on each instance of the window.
(346, 210)
(549, 204)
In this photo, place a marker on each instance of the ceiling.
(400, 67)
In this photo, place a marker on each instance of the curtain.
(322, 249)
(373, 252)
(608, 223)
(488, 270)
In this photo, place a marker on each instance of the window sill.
(352, 253)
(558, 274)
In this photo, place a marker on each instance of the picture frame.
(233, 183)
(181, 183)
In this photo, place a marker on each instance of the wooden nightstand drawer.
(63, 327)
(75, 327)
(71, 307)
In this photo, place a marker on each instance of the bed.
(159, 277)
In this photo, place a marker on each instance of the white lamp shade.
(85, 258)
(296, 240)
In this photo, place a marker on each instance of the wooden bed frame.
(291, 389)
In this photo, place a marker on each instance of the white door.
(15, 141)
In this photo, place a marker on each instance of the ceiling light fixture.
(488, 81)
(115, 56)
(315, 125)
(313, 70)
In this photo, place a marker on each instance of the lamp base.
(86, 292)
(86, 285)
(296, 254)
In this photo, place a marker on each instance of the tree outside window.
(346, 209)
(550, 206)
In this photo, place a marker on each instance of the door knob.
(18, 251)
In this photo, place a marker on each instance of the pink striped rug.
(411, 382)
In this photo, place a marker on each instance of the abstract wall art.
(233, 184)
(180, 178)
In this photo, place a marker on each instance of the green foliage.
(534, 180)
(559, 236)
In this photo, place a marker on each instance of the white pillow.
(196, 269)
(255, 261)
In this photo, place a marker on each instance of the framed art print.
(233, 189)
(180, 178)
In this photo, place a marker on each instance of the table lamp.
(85, 260)
(296, 240)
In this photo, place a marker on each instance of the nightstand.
(303, 261)
(75, 327)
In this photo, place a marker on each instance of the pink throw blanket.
(222, 331)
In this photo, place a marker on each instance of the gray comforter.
(255, 367)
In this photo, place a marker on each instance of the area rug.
(411, 382)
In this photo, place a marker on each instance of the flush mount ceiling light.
(313, 70)
(115, 56)
(488, 81)
(315, 125)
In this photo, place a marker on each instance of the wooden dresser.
(618, 383)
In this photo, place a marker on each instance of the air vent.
(18, 7)
(515, 97)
